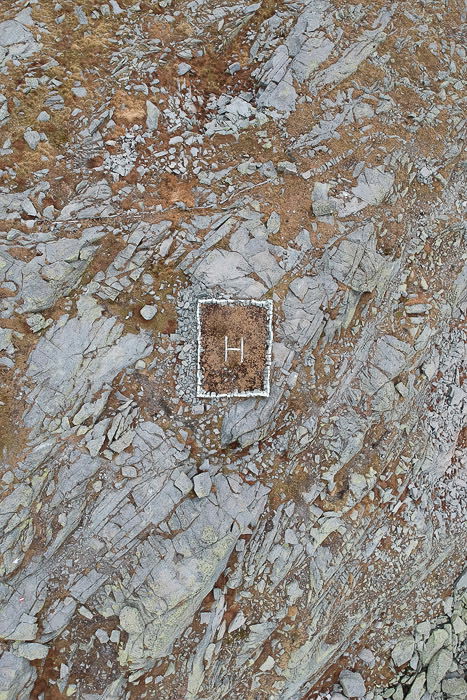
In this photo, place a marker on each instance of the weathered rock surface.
(307, 545)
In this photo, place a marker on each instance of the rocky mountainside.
(161, 544)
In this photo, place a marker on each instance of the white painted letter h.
(228, 349)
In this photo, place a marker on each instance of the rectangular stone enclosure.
(234, 347)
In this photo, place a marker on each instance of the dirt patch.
(234, 348)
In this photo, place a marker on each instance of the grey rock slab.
(266, 267)
(321, 204)
(247, 168)
(373, 185)
(131, 620)
(434, 643)
(323, 208)
(417, 688)
(287, 167)
(249, 420)
(456, 687)
(437, 669)
(355, 262)
(295, 59)
(4, 113)
(28, 207)
(314, 50)
(76, 357)
(350, 59)
(183, 68)
(303, 304)
(32, 650)
(403, 651)
(148, 312)
(237, 622)
(89, 409)
(6, 336)
(239, 108)
(221, 266)
(63, 250)
(12, 32)
(17, 677)
(230, 271)
(152, 115)
(461, 582)
(79, 91)
(202, 484)
(129, 472)
(273, 223)
(181, 585)
(352, 684)
(367, 656)
(32, 138)
(183, 483)
(92, 200)
(17, 39)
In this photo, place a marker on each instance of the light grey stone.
(247, 168)
(437, 669)
(351, 58)
(148, 312)
(4, 113)
(417, 688)
(367, 656)
(287, 167)
(435, 641)
(202, 484)
(129, 472)
(131, 620)
(352, 684)
(81, 15)
(183, 68)
(238, 108)
(403, 651)
(461, 581)
(60, 357)
(237, 622)
(32, 650)
(17, 39)
(321, 204)
(456, 687)
(230, 271)
(28, 207)
(323, 208)
(79, 91)
(183, 483)
(6, 335)
(373, 185)
(17, 677)
(273, 223)
(249, 420)
(295, 59)
(102, 636)
(268, 664)
(32, 138)
(152, 115)
(355, 262)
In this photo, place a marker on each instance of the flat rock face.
(297, 543)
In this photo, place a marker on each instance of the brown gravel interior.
(233, 321)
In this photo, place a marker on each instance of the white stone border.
(267, 368)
